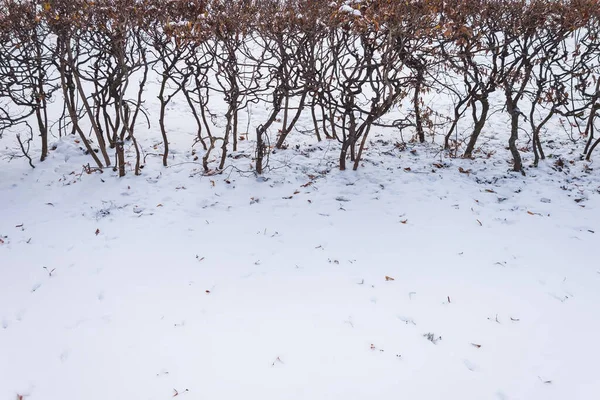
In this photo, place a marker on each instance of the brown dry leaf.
(159, 205)
(407, 169)
(296, 192)
(530, 213)
(476, 345)
(490, 191)
(438, 165)
(307, 184)
(389, 278)
(212, 183)
(404, 221)
(464, 171)
(97, 232)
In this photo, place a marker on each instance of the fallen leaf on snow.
(389, 278)
(177, 393)
(277, 360)
(432, 337)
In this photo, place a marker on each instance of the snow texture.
(407, 279)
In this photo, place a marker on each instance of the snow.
(346, 8)
(404, 279)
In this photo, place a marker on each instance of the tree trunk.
(479, 124)
(161, 119)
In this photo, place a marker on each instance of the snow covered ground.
(407, 279)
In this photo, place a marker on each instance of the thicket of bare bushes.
(341, 65)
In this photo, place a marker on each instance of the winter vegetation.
(345, 66)
(299, 199)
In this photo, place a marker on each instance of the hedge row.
(343, 65)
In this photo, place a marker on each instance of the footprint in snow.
(407, 320)
(138, 210)
(561, 298)
(64, 356)
(470, 366)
